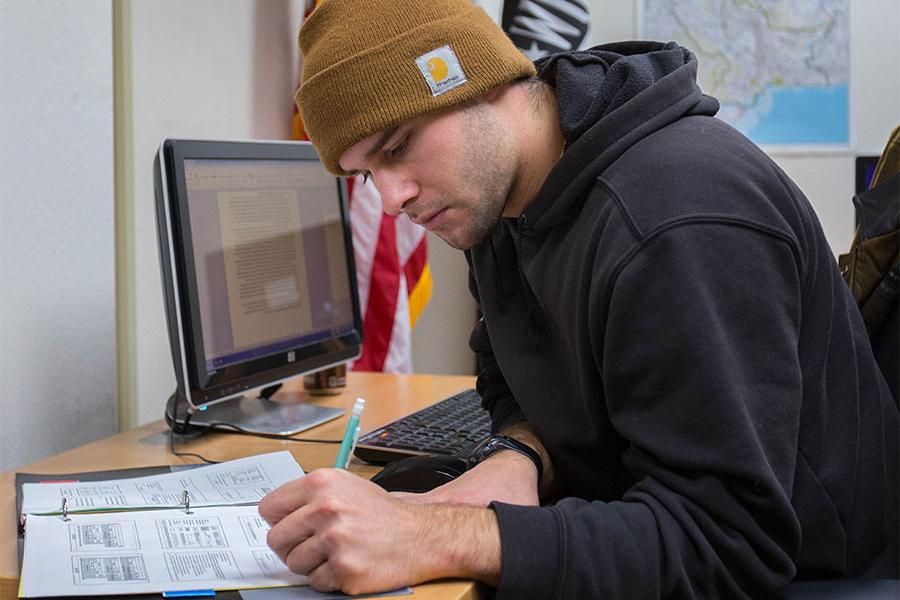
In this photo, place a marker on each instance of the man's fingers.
(306, 522)
(290, 532)
(295, 494)
(307, 556)
(283, 501)
(323, 579)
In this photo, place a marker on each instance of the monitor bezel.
(197, 385)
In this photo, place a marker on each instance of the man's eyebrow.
(382, 141)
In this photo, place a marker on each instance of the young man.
(666, 339)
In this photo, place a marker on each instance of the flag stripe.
(415, 264)
(382, 301)
(418, 280)
(420, 295)
(399, 356)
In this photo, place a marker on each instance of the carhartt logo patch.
(441, 70)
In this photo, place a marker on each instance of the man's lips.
(428, 220)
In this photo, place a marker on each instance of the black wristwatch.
(495, 443)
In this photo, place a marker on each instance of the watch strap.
(498, 442)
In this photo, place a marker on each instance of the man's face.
(450, 172)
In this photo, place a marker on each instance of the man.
(665, 333)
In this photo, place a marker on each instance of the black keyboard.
(450, 425)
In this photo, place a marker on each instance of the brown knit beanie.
(372, 64)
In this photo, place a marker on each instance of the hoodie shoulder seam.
(617, 198)
(698, 220)
(715, 219)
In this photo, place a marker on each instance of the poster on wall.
(780, 68)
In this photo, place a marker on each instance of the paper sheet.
(150, 551)
(245, 480)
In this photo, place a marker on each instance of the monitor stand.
(260, 415)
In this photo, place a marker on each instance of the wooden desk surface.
(387, 397)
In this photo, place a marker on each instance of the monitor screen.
(865, 169)
(256, 262)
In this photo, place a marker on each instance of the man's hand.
(506, 476)
(348, 534)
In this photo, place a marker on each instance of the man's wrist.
(522, 431)
(466, 545)
(512, 462)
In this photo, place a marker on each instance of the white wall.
(440, 339)
(57, 311)
(198, 69)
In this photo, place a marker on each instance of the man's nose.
(397, 191)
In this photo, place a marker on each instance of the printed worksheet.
(242, 481)
(150, 551)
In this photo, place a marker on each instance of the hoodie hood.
(609, 97)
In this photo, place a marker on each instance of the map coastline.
(779, 69)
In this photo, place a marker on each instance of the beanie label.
(441, 70)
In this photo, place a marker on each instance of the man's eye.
(399, 149)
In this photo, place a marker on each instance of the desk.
(387, 397)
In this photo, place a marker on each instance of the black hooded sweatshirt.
(668, 317)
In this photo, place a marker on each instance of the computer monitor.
(258, 277)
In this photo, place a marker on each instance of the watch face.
(489, 447)
(493, 444)
(501, 442)
(481, 451)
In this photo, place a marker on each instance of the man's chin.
(454, 243)
(461, 242)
